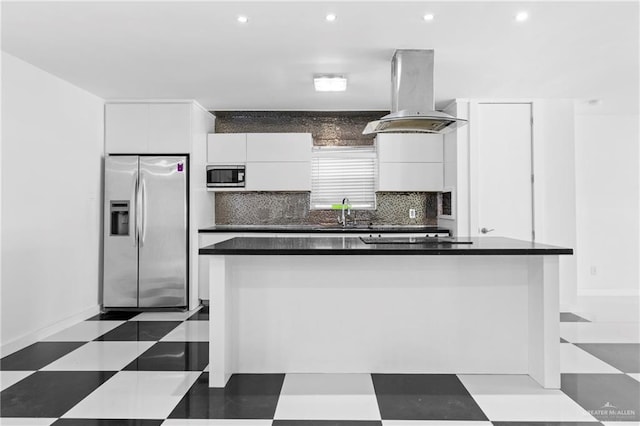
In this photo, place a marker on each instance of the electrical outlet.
(412, 213)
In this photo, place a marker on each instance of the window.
(339, 172)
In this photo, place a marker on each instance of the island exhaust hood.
(412, 98)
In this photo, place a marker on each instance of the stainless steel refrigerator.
(146, 231)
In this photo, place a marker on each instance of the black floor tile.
(326, 423)
(623, 356)
(173, 356)
(38, 355)
(570, 317)
(140, 330)
(424, 397)
(201, 315)
(106, 422)
(246, 396)
(114, 316)
(547, 424)
(50, 393)
(607, 397)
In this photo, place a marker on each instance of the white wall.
(607, 204)
(52, 142)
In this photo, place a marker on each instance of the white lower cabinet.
(203, 261)
(206, 239)
(278, 176)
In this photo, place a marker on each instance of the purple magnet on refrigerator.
(180, 167)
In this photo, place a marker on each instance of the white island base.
(384, 314)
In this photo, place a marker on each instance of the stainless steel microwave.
(225, 176)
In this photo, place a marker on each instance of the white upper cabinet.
(274, 161)
(410, 162)
(227, 148)
(402, 177)
(410, 147)
(127, 128)
(279, 147)
(148, 128)
(278, 176)
(169, 128)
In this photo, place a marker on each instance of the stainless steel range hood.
(412, 98)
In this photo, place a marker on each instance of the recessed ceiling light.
(522, 16)
(331, 17)
(330, 83)
(243, 19)
(428, 17)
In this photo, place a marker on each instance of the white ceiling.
(161, 50)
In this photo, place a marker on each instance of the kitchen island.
(339, 305)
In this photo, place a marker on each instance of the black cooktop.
(413, 240)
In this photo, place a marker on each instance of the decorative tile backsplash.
(328, 128)
(284, 208)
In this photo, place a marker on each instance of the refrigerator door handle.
(133, 214)
(143, 213)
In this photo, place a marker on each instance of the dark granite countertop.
(355, 246)
(358, 229)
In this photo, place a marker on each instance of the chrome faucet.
(343, 220)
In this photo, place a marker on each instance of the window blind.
(339, 172)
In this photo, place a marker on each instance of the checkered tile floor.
(151, 369)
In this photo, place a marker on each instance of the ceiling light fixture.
(522, 16)
(330, 83)
(243, 19)
(331, 17)
(428, 17)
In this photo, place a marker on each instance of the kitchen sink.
(341, 228)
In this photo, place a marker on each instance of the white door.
(503, 170)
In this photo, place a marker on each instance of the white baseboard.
(31, 338)
(609, 292)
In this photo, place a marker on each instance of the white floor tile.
(621, 423)
(9, 378)
(519, 398)
(600, 332)
(433, 423)
(203, 422)
(502, 384)
(100, 356)
(135, 395)
(23, 421)
(189, 331)
(575, 360)
(163, 316)
(84, 331)
(327, 397)
(634, 375)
